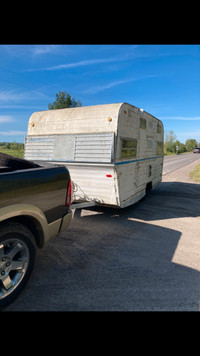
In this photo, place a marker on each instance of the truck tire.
(17, 256)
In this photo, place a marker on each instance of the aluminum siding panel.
(93, 148)
(39, 148)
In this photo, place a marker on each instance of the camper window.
(143, 123)
(129, 148)
(159, 148)
(159, 129)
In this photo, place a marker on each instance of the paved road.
(142, 258)
(172, 163)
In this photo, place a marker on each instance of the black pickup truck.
(34, 207)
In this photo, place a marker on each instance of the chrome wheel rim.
(14, 260)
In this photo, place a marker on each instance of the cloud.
(5, 119)
(87, 62)
(29, 50)
(9, 106)
(129, 53)
(44, 49)
(98, 88)
(12, 133)
(9, 96)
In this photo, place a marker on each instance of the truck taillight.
(69, 194)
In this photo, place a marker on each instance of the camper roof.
(86, 119)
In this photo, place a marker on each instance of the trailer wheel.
(17, 256)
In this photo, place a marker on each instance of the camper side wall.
(139, 154)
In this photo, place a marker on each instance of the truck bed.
(10, 163)
(26, 182)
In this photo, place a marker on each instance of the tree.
(171, 143)
(170, 138)
(64, 100)
(190, 144)
(181, 147)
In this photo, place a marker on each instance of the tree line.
(12, 145)
(171, 144)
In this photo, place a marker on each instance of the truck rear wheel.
(17, 256)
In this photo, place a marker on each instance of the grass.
(195, 174)
(13, 152)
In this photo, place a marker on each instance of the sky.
(163, 80)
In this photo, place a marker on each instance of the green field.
(16, 153)
(14, 149)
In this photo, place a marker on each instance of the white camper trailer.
(114, 152)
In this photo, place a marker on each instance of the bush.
(171, 147)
